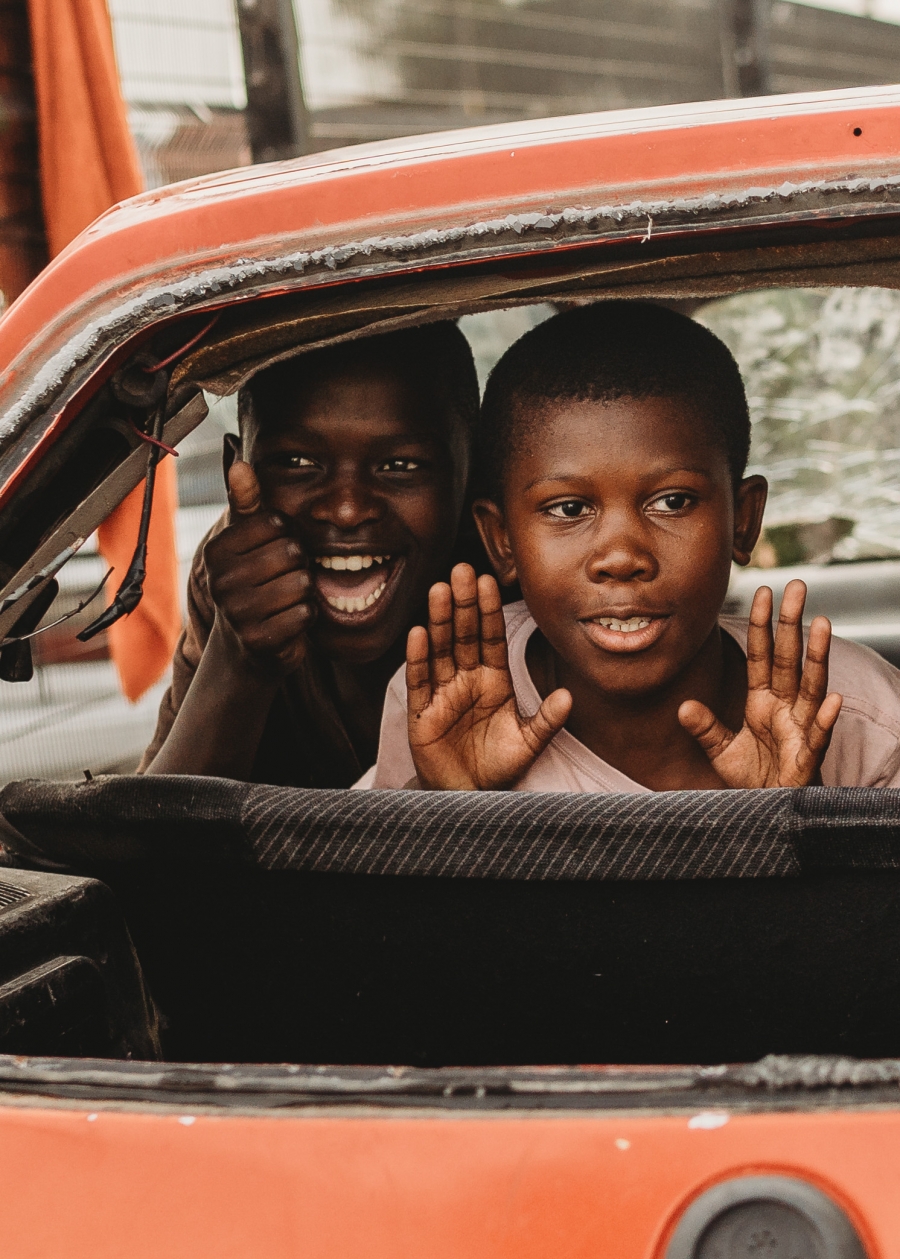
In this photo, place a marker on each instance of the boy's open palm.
(465, 729)
(790, 716)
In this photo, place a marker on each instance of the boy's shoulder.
(517, 617)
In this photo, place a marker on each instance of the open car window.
(822, 370)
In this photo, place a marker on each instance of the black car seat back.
(277, 924)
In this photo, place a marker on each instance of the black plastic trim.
(832, 1083)
(830, 1232)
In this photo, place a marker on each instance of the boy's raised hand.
(465, 729)
(259, 580)
(789, 715)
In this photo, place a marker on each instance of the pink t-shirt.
(864, 751)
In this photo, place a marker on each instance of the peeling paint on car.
(574, 225)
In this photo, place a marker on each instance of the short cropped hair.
(609, 350)
(436, 356)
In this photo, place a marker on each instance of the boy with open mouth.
(345, 495)
(615, 438)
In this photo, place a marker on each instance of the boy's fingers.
(418, 682)
(787, 657)
(250, 605)
(244, 495)
(279, 557)
(440, 633)
(466, 628)
(243, 571)
(547, 721)
(243, 535)
(823, 727)
(493, 625)
(704, 725)
(759, 641)
(282, 634)
(286, 623)
(814, 682)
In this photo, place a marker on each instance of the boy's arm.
(790, 716)
(201, 613)
(261, 590)
(465, 729)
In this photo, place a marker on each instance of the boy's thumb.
(701, 722)
(244, 495)
(548, 720)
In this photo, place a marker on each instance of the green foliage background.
(822, 370)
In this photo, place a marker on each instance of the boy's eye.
(569, 510)
(671, 503)
(296, 461)
(400, 465)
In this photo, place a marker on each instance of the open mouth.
(353, 585)
(631, 626)
(625, 634)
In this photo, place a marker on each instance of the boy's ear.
(749, 505)
(491, 526)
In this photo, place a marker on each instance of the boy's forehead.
(650, 431)
(384, 401)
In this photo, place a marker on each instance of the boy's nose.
(621, 565)
(620, 554)
(347, 502)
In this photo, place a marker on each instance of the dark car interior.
(433, 929)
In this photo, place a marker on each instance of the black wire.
(67, 616)
(131, 591)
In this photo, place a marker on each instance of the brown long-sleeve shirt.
(304, 743)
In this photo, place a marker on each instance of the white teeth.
(357, 605)
(630, 626)
(351, 563)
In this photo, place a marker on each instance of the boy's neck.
(359, 691)
(641, 736)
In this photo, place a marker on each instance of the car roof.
(422, 185)
(431, 204)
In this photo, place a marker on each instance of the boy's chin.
(631, 676)
(351, 641)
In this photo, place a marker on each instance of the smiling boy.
(344, 506)
(615, 439)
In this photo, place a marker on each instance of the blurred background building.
(372, 69)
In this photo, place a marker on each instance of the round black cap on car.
(764, 1215)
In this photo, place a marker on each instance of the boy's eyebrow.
(309, 438)
(655, 473)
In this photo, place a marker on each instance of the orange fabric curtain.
(89, 162)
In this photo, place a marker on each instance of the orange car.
(447, 957)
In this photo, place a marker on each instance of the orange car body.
(183, 1184)
(97, 1176)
